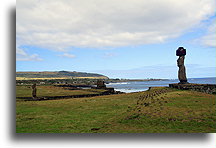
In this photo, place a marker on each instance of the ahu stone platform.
(206, 88)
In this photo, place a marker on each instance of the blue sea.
(136, 86)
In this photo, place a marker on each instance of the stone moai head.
(181, 51)
(34, 86)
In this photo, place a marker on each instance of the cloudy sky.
(118, 38)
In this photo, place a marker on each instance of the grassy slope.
(175, 111)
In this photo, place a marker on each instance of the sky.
(118, 38)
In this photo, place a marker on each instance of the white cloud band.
(61, 24)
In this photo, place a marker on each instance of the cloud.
(61, 24)
(210, 38)
(68, 55)
(21, 55)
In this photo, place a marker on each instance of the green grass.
(26, 91)
(179, 112)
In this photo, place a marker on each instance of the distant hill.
(59, 74)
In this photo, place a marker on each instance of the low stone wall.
(206, 88)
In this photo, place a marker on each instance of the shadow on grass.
(174, 137)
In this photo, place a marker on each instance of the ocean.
(136, 86)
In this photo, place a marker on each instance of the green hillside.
(50, 74)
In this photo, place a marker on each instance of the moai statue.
(34, 90)
(101, 84)
(181, 52)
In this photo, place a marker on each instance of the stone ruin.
(101, 84)
(206, 88)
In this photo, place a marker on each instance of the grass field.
(26, 91)
(160, 110)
